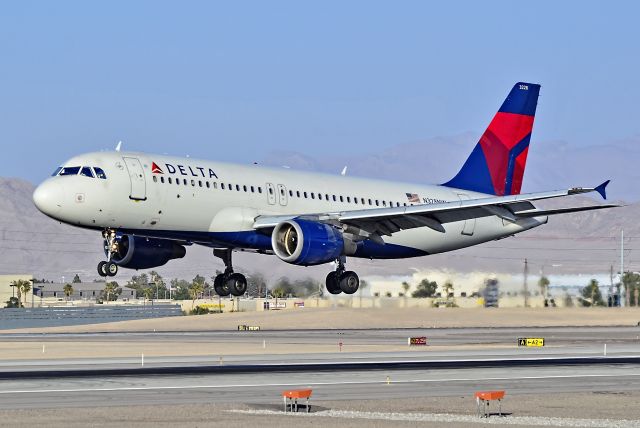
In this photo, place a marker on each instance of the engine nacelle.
(307, 243)
(136, 252)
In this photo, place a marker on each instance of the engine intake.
(306, 243)
(135, 252)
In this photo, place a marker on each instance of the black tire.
(332, 283)
(102, 271)
(111, 269)
(237, 284)
(349, 282)
(220, 287)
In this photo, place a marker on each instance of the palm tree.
(543, 283)
(68, 291)
(196, 289)
(147, 292)
(405, 290)
(23, 287)
(110, 288)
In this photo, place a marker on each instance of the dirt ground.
(619, 409)
(345, 318)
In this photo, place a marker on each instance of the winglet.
(602, 189)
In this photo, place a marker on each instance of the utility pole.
(526, 286)
(627, 292)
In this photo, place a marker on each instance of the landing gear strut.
(228, 282)
(109, 268)
(341, 280)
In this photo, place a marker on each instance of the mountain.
(577, 243)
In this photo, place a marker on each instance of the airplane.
(150, 207)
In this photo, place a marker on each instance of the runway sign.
(418, 341)
(535, 342)
(248, 328)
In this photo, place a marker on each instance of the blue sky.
(239, 80)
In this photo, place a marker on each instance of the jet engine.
(135, 252)
(307, 243)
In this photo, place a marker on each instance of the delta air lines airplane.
(150, 208)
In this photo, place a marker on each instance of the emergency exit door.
(136, 175)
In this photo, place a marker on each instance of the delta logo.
(186, 170)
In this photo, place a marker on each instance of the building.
(81, 291)
(7, 291)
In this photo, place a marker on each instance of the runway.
(265, 388)
(456, 362)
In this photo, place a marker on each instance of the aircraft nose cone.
(48, 197)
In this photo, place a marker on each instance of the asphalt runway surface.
(264, 388)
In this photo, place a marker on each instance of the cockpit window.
(58, 169)
(86, 171)
(100, 173)
(69, 170)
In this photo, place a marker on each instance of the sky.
(238, 81)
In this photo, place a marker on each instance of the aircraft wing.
(377, 222)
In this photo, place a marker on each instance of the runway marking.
(256, 385)
(453, 418)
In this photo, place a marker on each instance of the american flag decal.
(413, 197)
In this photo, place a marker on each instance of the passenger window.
(169, 180)
(222, 186)
(312, 196)
(362, 200)
(305, 194)
(326, 196)
(215, 185)
(71, 170)
(155, 178)
(297, 193)
(259, 189)
(58, 169)
(184, 181)
(334, 198)
(348, 198)
(341, 199)
(270, 191)
(253, 190)
(199, 183)
(384, 203)
(86, 172)
(208, 185)
(162, 180)
(244, 188)
(370, 202)
(177, 181)
(193, 182)
(230, 186)
(237, 187)
(291, 193)
(377, 203)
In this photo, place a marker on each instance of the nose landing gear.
(109, 268)
(341, 280)
(229, 282)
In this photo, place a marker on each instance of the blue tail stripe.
(513, 154)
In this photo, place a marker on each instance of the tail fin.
(496, 165)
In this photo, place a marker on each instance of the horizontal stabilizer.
(542, 213)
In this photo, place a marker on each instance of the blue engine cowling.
(135, 252)
(307, 243)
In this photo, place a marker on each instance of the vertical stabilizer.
(496, 165)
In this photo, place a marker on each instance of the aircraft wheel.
(349, 282)
(220, 287)
(237, 284)
(111, 269)
(102, 269)
(333, 285)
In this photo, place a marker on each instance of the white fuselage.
(216, 204)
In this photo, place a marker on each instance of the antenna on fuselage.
(344, 171)
(118, 146)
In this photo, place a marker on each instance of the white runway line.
(257, 385)
(451, 418)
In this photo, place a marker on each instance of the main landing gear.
(109, 268)
(228, 282)
(341, 280)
